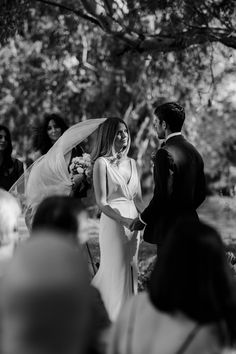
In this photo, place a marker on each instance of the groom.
(178, 175)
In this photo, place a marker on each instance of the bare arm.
(100, 188)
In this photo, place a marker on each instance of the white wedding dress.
(117, 277)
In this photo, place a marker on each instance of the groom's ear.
(164, 125)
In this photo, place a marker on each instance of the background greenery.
(116, 58)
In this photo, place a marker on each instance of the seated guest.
(10, 168)
(67, 218)
(9, 216)
(190, 305)
(64, 214)
(45, 299)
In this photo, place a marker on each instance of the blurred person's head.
(192, 276)
(52, 128)
(113, 138)
(169, 118)
(46, 298)
(9, 216)
(5, 146)
(62, 214)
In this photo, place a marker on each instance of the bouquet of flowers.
(81, 171)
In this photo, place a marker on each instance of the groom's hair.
(172, 113)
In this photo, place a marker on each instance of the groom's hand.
(136, 225)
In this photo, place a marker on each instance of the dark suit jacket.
(179, 188)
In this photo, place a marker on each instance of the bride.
(118, 194)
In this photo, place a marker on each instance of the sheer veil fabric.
(49, 174)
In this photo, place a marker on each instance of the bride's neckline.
(117, 168)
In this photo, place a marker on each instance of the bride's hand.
(127, 222)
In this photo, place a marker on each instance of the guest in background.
(45, 299)
(9, 216)
(10, 168)
(48, 133)
(190, 306)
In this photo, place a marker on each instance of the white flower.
(81, 159)
(80, 170)
(86, 157)
(87, 164)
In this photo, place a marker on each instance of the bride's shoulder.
(100, 162)
(133, 161)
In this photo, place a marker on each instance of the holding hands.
(137, 225)
(133, 224)
(127, 222)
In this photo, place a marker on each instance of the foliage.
(70, 62)
(151, 25)
(12, 14)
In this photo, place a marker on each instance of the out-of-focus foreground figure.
(9, 217)
(45, 299)
(190, 306)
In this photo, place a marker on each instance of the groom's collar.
(172, 135)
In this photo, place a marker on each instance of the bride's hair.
(105, 138)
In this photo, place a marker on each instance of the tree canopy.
(143, 25)
(91, 59)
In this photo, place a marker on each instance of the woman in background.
(118, 195)
(190, 306)
(10, 168)
(48, 133)
(45, 137)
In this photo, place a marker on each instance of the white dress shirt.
(172, 135)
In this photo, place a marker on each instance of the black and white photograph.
(117, 177)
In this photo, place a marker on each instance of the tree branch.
(178, 41)
(69, 9)
(153, 43)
